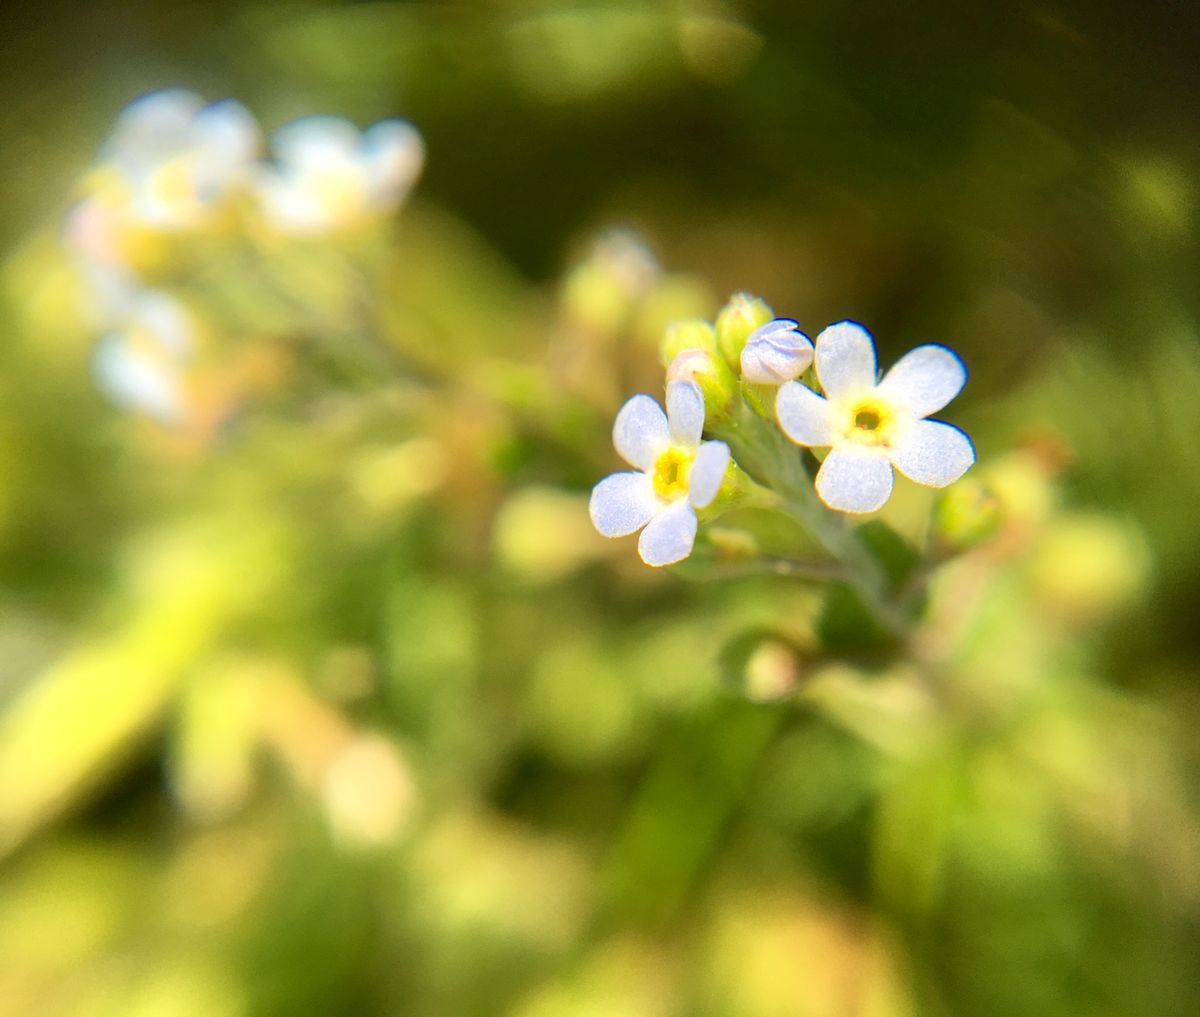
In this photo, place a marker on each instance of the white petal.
(135, 381)
(708, 471)
(776, 328)
(776, 352)
(803, 415)
(685, 411)
(925, 379)
(153, 128)
(316, 142)
(623, 503)
(934, 453)
(845, 358)
(640, 432)
(394, 154)
(854, 480)
(227, 139)
(670, 535)
(165, 320)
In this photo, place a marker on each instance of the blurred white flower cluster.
(176, 174)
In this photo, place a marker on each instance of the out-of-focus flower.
(172, 159)
(776, 352)
(676, 474)
(142, 365)
(329, 175)
(870, 425)
(604, 291)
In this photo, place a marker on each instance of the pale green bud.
(966, 514)
(738, 318)
(694, 334)
(763, 666)
(704, 368)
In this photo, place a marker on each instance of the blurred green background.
(347, 711)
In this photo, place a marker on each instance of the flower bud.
(966, 514)
(603, 292)
(709, 372)
(687, 335)
(762, 666)
(738, 318)
(776, 352)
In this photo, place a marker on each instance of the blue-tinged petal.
(227, 140)
(845, 359)
(853, 479)
(640, 432)
(136, 381)
(685, 412)
(393, 154)
(708, 470)
(925, 379)
(933, 453)
(775, 353)
(803, 415)
(623, 503)
(776, 328)
(669, 536)
(152, 128)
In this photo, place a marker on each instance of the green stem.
(817, 571)
(771, 460)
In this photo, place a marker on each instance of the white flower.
(329, 175)
(173, 157)
(776, 352)
(870, 425)
(676, 474)
(142, 365)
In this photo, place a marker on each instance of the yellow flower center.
(174, 186)
(671, 472)
(869, 420)
(340, 190)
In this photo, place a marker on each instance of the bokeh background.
(344, 709)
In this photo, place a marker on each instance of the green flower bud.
(763, 666)
(738, 318)
(967, 514)
(687, 335)
(710, 372)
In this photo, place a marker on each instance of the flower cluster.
(175, 172)
(753, 376)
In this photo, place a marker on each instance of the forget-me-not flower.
(171, 158)
(870, 425)
(329, 175)
(676, 473)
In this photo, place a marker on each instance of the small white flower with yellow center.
(676, 473)
(171, 158)
(775, 353)
(330, 175)
(871, 425)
